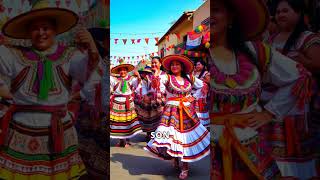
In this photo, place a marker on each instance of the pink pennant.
(138, 41)
(116, 41)
(132, 40)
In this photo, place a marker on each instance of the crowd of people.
(257, 98)
(48, 91)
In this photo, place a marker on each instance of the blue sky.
(132, 18)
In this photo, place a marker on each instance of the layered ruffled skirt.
(149, 114)
(124, 121)
(27, 154)
(202, 111)
(190, 142)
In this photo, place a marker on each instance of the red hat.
(253, 16)
(188, 65)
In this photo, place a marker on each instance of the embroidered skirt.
(150, 113)
(27, 154)
(124, 121)
(190, 143)
(202, 111)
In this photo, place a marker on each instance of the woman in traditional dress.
(155, 97)
(200, 103)
(238, 69)
(124, 123)
(294, 138)
(143, 108)
(38, 137)
(201, 71)
(188, 138)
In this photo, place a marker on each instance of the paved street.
(134, 163)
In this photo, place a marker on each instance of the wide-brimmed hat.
(146, 69)
(252, 15)
(116, 69)
(187, 63)
(17, 27)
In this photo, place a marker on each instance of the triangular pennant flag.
(128, 57)
(178, 35)
(9, 10)
(157, 39)
(116, 41)
(132, 40)
(68, 3)
(167, 38)
(124, 41)
(138, 41)
(58, 3)
(147, 40)
(132, 57)
(79, 3)
(137, 57)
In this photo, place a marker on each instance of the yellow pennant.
(231, 83)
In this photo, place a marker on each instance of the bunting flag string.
(201, 30)
(178, 50)
(134, 41)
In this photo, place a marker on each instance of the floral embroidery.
(175, 88)
(244, 70)
(33, 145)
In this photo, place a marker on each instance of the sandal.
(127, 145)
(184, 174)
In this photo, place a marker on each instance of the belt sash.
(127, 103)
(182, 108)
(229, 140)
(57, 131)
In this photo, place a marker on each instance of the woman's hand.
(85, 40)
(259, 119)
(206, 78)
(136, 73)
(254, 120)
